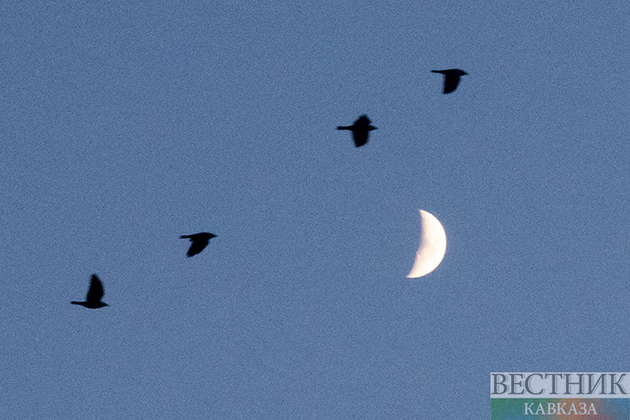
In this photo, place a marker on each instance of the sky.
(124, 125)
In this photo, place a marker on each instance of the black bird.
(360, 130)
(451, 78)
(199, 242)
(94, 295)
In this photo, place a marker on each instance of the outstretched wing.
(360, 137)
(96, 290)
(450, 82)
(198, 244)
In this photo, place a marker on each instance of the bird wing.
(360, 137)
(96, 291)
(450, 82)
(198, 244)
(199, 236)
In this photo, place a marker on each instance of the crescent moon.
(432, 246)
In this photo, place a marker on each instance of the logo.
(556, 395)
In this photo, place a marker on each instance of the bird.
(199, 242)
(94, 295)
(360, 130)
(451, 78)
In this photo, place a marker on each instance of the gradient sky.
(124, 125)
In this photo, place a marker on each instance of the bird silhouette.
(199, 242)
(451, 78)
(94, 295)
(360, 130)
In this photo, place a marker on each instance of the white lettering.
(561, 408)
(582, 408)
(528, 407)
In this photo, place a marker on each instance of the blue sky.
(126, 125)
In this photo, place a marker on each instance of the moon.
(432, 246)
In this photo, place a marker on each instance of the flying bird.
(451, 78)
(199, 242)
(360, 130)
(94, 295)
